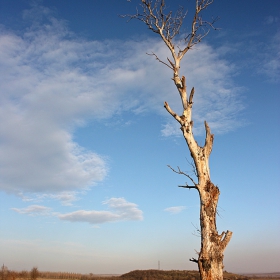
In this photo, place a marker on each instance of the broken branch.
(225, 241)
(172, 113)
(188, 187)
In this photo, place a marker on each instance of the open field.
(166, 275)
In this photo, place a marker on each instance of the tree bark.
(210, 261)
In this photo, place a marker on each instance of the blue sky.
(85, 140)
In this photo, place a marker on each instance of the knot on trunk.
(212, 190)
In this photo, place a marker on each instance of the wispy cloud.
(270, 58)
(66, 198)
(259, 50)
(175, 209)
(33, 210)
(52, 82)
(121, 210)
(171, 128)
(271, 20)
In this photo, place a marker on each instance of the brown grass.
(151, 274)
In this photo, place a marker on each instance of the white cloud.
(33, 210)
(121, 210)
(175, 209)
(52, 82)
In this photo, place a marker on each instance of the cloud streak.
(175, 209)
(121, 210)
(33, 210)
(270, 65)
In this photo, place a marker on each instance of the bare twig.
(193, 260)
(193, 166)
(183, 173)
(168, 25)
(198, 230)
(218, 212)
(157, 58)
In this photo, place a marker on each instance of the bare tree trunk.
(210, 260)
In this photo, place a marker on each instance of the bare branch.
(183, 93)
(193, 166)
(208, 139)
(171, 112)
(164, 24)
(199, 232)
(200, 28)
(225, 241)
(196, 229)
(183, 173)
(218, 212)
(188, 187)
(157, 58)
(221, 236)
(191, 96)
(171, 63)
(193, 260)
(168, 26)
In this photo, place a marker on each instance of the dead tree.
(167, 26)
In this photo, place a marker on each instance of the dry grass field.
(154, 274)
